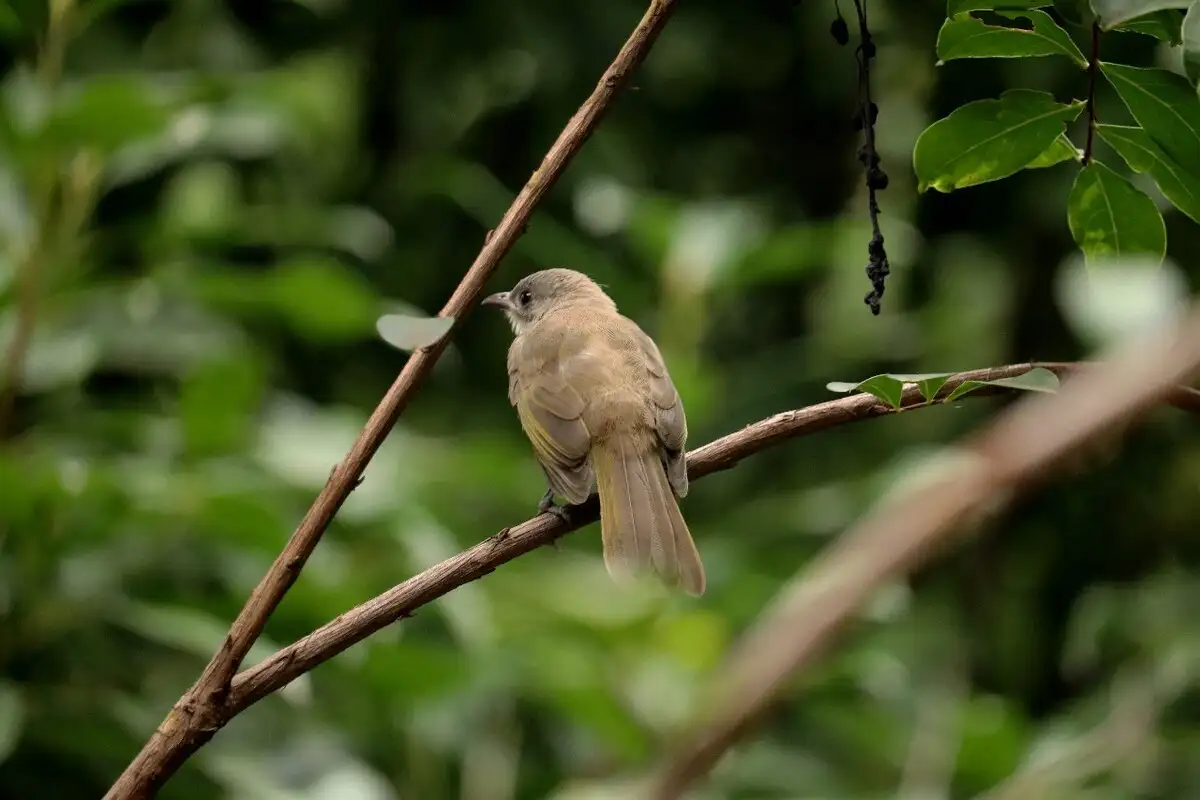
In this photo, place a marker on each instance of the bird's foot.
(547, 506)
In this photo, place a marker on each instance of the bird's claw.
(547, 506)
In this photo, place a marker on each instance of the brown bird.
(595, 399)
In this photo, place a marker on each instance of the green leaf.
(966, 387)
(968, 37)
(1115, 12)
(106, 113)
(1062, 150)
(1109, 217)
(1038, 379)
(217, 403)
(187, 630)
(1162, 25)
(956, 7)
(886, 388)
(1144, 156)
(10, 24)
(1165, 105)
(12, 718)
(1190, 34)
(324, 299)
(989, 139)
(929, 384)
(889, 387)
(412, 333)
(21, 18)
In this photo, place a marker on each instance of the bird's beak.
(499, 299)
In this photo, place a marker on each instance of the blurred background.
(206, 205)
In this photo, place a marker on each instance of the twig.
(976, 478)
(403, 600)
(29, 280)
(32, 262)
(1093, 68)
(204, 709)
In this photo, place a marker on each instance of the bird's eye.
(525, 297)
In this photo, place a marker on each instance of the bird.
(594, 397)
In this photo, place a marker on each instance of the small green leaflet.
(1190, 33)
(889, 387)
(1062, 150)
(412, 333)
(1144, 156)
(987, 140)
(1109, 217)
(968, 37)
(956, 7)
(886, 388)
(1115, 12)
(1165, 105)
(1162, 25)
(12, 718)
(1038, 379)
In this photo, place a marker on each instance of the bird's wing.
(670, 422)
(551, 413)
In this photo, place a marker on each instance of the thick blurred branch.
(403, 600)
(972, 480)
(206, 707)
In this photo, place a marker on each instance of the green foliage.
(1165, 105)
(1166, 26)
(889, 388)
(1190, 38)
(1110, 218)
(990, 139)
(1112, 13)
(967, 37)
(1142, 155)
(987, 140)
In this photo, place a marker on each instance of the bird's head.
(548, 292)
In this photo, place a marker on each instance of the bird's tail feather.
(640, 522)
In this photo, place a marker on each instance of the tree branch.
(404, 599)
(204, 709)
(972, 481)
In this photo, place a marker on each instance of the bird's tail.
(640, 522)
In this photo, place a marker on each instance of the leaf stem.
(1093, 68)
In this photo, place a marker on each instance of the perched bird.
(595, 399)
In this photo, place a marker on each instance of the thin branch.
(404, 599)
(32, 262)
(204, 708)
(974, 479)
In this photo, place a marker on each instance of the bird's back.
(598, 354)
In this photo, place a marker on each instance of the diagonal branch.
(404, 599)
(976, 479)
(203, 709)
